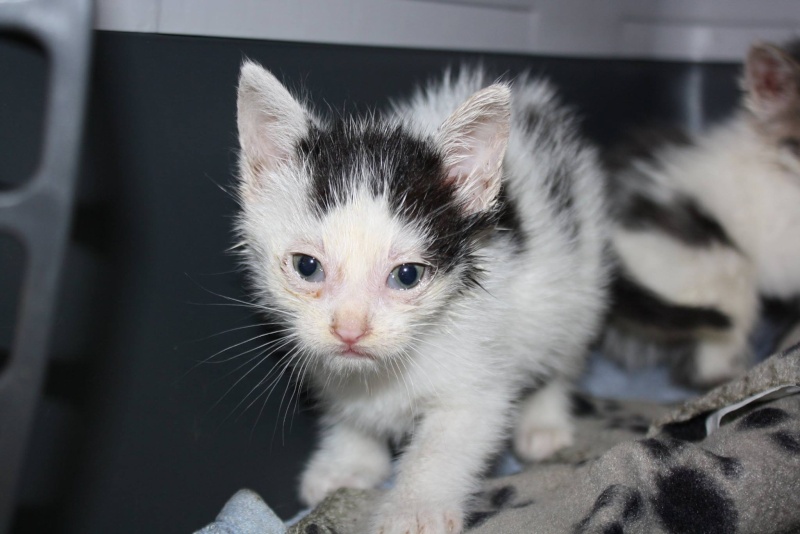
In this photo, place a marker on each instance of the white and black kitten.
(711, 221)
(429, 264)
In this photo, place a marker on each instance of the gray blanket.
(634, 468)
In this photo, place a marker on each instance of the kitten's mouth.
(355, 352)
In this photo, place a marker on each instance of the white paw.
(318, 482)
(408, 518)
(713, 369)
(533, 444)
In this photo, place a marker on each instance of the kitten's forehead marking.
(393, 163)
(383, 157)
(362, 236)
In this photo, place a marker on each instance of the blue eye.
(308, 267)
(406, 276)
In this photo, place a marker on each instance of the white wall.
(703, 30)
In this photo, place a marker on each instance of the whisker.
(262, 360)
(296, 391)
(208, 360)
(278, 344)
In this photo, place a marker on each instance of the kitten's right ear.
(771, 79)
(474, 140)
(270, 120)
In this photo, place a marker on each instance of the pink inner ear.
(474, 177)
(771, 79)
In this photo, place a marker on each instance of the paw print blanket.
(727, 462)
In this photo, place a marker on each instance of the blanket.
(727, 462)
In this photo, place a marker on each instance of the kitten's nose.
(349, 333)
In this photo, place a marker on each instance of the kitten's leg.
(719, 358)
(441, 465)
(722, 356)
(545, 422)
(346, 458)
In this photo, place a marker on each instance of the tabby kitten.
(711, 221)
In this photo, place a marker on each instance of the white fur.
(448, 376)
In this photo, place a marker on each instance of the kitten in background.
(707, 225)
(430, 266)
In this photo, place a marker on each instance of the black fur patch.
(762, 418)
(313, 528)
(681, 218)
(559, 190)
(532, 119)
(690, 502)
(644, 144)
(509, 221)
(410, 172)
(640, 305)
(788, 441)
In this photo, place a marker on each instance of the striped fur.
(710, 222)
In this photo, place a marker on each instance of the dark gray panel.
(23, 78)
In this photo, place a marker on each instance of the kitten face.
(358, 233)
(772, 82)
(342, 282)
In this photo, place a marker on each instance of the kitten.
(711, 221)
(429, 265)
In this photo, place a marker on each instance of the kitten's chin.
(355, 353)
(348, 361)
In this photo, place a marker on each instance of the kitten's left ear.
(474, 140)
(772, 80)
(270, 120)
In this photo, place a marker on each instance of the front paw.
(538, 443)
(417, 518)
(320, 481)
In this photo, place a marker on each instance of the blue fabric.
(245, 513)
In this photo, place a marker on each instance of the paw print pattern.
(616, 508)
(493, 502)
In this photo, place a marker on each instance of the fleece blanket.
(727, 462)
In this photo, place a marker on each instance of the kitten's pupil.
(406, 276)
(308, 267)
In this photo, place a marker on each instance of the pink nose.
(349, 334)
